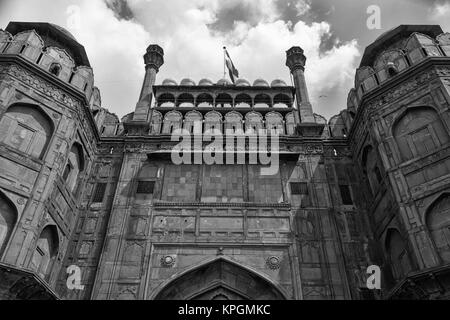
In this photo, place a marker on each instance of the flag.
(232, 71)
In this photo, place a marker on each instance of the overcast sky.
(257, 33)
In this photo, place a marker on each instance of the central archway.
(220, 279)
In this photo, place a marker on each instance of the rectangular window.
(99, 193)
(21, 138)
(299, 188)
(145, 187)
(345, 194)
(423, 141)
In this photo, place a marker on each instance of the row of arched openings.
(418, 132)
(234, 122)
(46, 246)
(223, 100)
(29, 129)
(437, 221)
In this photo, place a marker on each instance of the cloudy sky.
(257, 33)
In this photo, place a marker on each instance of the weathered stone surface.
(89, 191)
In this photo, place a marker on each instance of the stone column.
(295, 61)
(154, 59)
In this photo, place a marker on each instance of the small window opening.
(55, 69)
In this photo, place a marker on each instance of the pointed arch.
(27, 128)
(437, 219)
(8, 220)
(397, 253)
(290, 123)
(337, 126)
(172, 121)
(253, 122)
(193, 119)
(233, 122)
(419, 46)
(444, 42)
(419, 130)
(74, 167)
(370, 168)
(218, 268)
(46, 251)
(213, 122)
(27, 43)
(156, 122)
(274, 123)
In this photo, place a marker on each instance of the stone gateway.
(95, 201)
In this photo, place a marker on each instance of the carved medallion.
(273, 263)
(167, 261)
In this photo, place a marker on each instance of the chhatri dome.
(260, 83)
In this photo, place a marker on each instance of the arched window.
(290, 123)
(337, 126)
(444, 42)
(397, 254)
(282, 101)
(371, 169)
(166, 100)
(243, 101)
(418, 132)
(185, 100)
(26, 128)
(233, 122)
(262, 101)
(172, 121)
(274, 123)
(224, 100)
(390, 63)
(193, 120)
(205, 100)
(438, 222)
(45, 252)
(420, 46)
(213, 122)
(74, 166)
(156, 123)
(55, 69)
(8, 217)
(253, 122)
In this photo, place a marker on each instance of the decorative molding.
(42, 86)
(51, 92)
(273, 262)
(403, 89)
(223, 205)
(168, 261)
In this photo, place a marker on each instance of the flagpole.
(224, 63)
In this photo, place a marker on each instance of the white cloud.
(440, 14)
(441, 10)
(302, 7)
(115, 47)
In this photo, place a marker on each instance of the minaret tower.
(295, 61)
(154, 59)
